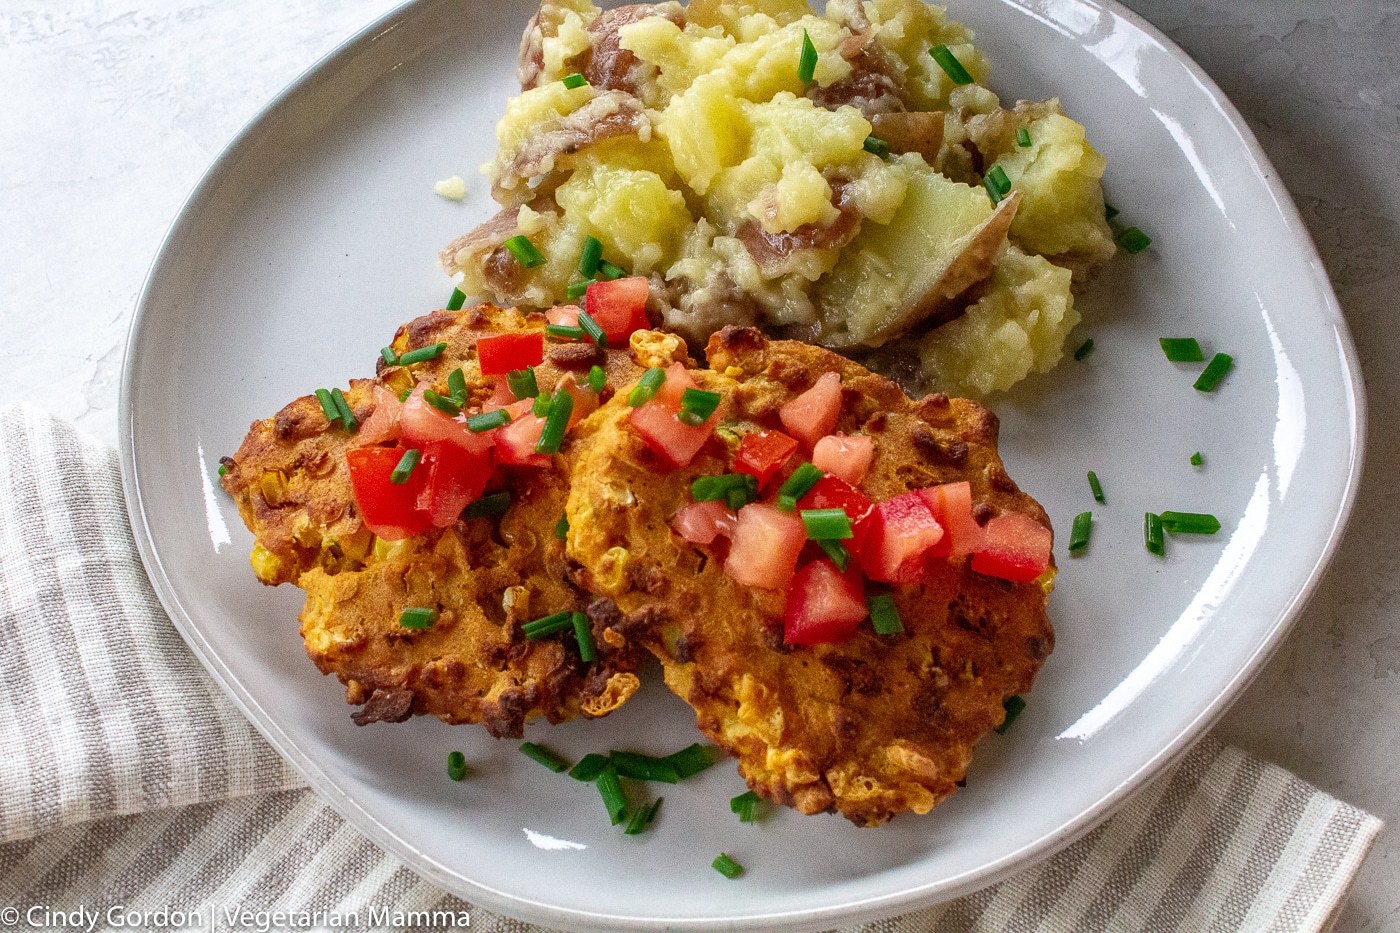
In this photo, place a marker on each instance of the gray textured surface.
(111, 112)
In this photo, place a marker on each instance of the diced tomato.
(765, 546)
(383, 424)
(421, 424)
(585, 399)
(619, 307)
(1017, 548)
(824, 605)
(501, 397)
(812, 415)
(895, 538)
(951, 504)
(763, 453)
(846, 457)
(390, 511)
(674, 442)
(563, 315)
(515, 443)
(832, 492)
(702, 522)
(453, 479)
(502, 353)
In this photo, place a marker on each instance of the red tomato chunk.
(702, 522)
(671, 440)
(845, 457)
(763, 453)
(951, 504)
(619, 307)
(502, 353)
(831, 492)
(515, 442)
(766, 545)
(896, 537)
(813, 414)
(453, 479)
(390, 511)
(1017, 548)
(823, 605)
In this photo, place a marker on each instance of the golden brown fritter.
(871, 727)
(485, 575)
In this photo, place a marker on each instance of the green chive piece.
(456, 300)
(1190, 523)
(647, 387)
(997, 184)
(1181, 349)
(607, 271)
(457, 766)
(597, 378)
(417, 618)
(328, 405)
(495, 504)
(807, 64)
(736, 499)
(407, 462)
(522, 384)
(645, 767)
(746, 805)
(797, 485)
(1095, 488)
(826, 524)
(1085, 349)
(1079, 534)
(587, 647)
(564, 332)
(561, 529)
(488, 420)
(1023, 138)
(556, 423)
(1197, 459)
(578, 289)
(422, 354)
(950, 65)
(611, 790)
(545, 626)
(643, 818)
(390, 357)
(837, 552)
(574, 80)
(591, 328)
(524, 252)
(1152, 534)
(551, 760)
(714, 488)
(726, 866)
(543, 403)
(692, 759)
(223, 468)
(457, 386)
(697, 406)
(1013, 706)
(347, 417)
(884, 614)
(590, 257)
(589, 767)
(877, 147)
(1109, 211)
(442, 403)
(403, 396)
(1133, 240)
(1210, 377)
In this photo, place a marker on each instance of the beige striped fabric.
(133, 793)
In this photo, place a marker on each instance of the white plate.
(314, 236)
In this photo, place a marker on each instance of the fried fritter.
(485, 575)
(870, 727)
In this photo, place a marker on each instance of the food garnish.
(544, 756)
(726, 866)
(1215, 370)
(1197, 459)
(1095, 488)
(1013, 706)
(1195, 523)
(1182, 349)
(457, 768)
(1079, 533)
(1085, 349)
(1152, 534)
(419, 618)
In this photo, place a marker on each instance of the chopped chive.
(556, 423)
(884, 614)
(1023, 137)
(797, 485)
(403, 396)
(442, 403)
(407, 462)
(561, 528)
(347, 417)
(736, 498)
(746, 805)
(543, 403)
(488, 420)
(522, 384)
(1152, 534)
(390, 357)
(1197, 459)
(1210, 377)
(457, 766)
(713, 488)
(1079, 534)
(591, 328)
(826, 524)
(597, 378)
(1181, 349)
(422, 354)
(417, 618)
(726, 866)
(495, 504)
(1013, 706)
(877, 147)
(607, 271)
(1085, 349)
(1095, 488)
(564, 332)
(587, 647)
(646, 388)
(328, 405)
(548, 625)
(223, 468)
(578, 289)
(1133, 240)
(1190, 523)
(697, 405)
(997, 184)
(837, 552)
(457, 386)
(611, 790)
(589, 767)
(645, 767)
(692, 759)
(590, 257)
(643, 818)
(1109, 211)
(574, 80)
(544, 756)
(807, 64)
(950, 65)
(524, 252)
(456, 300)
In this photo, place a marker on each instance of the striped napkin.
(128, 782)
